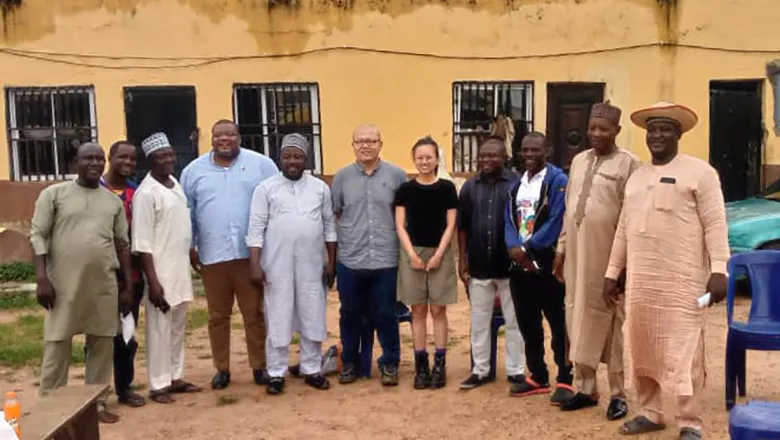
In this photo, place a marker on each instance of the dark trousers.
(368, 297)
(536, 295)
(124, 354)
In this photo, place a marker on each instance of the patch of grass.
(197, 318)
(226, 399)
(19, 271)
(453, 342)
(17, 300)
(237, 326)
(501, 331)
(296, 339)
(21, 343)
(138, 386)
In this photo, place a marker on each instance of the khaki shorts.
(439, 287)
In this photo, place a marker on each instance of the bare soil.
(366, 410)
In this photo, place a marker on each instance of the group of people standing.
(540, 245)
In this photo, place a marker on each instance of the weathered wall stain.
(667, 18)
(278, 26)
(6, 9)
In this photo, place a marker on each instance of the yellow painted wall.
(407, 96)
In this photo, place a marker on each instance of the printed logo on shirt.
(526, 213)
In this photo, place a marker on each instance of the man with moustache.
(484, 263)
(291, 227)
(162, 238)
(122, 159)
(363, 195)
(672, 241)
(533, 220)
(594, 198)
(219, 186)
(79, 236)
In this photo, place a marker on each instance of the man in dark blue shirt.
(484, 262)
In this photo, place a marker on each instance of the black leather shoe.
(221, 380)
(579, 401)
(618, 408)
(275, 386)
(261, 378)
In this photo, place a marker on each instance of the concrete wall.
(406, 95)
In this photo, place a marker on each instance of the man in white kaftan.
(162, 237)
(291, 224)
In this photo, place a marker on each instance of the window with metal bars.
(266, 112)
(476, 109)
(46, 125)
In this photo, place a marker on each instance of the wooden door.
(568, 111)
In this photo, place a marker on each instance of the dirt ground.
(367, 410)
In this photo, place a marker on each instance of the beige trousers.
(688, 407)
(99, 365)
(587, 381)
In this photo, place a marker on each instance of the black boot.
(422, 375)
(439, 375)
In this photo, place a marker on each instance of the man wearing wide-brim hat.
(672, 241)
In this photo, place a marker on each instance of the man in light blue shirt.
(219, 187)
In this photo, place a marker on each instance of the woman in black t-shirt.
(425, 211)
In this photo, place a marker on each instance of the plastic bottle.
(13, 412)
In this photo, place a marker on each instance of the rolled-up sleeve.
(143, 223)
(42, 222)
(328, 218)
(258, 217)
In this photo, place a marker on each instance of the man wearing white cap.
(162, 236)
(672, 241)
(291, 225)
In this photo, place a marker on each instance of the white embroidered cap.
(156, 141)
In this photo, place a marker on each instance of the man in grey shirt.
(367, 272)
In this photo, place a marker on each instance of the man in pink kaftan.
(672, 241)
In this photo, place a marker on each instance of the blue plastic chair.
(367, 339)
(762, 330)
(755, 421)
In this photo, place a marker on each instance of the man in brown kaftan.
(594, 199)
(672, 242)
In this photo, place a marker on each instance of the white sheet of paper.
(128, 327)
(704, 300)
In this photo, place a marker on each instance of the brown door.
(568, 110)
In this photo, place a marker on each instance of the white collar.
(538, 176)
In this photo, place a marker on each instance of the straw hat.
(683, 116)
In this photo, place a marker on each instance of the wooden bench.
(69, 413)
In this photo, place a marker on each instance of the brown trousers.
(223, 282)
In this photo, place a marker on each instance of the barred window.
(265, 113)
(46, 125)
(475, 109)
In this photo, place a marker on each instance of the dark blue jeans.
(368, 296)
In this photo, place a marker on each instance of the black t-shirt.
(426, 209)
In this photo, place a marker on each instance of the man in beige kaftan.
(594, 199)
(79, 235)
(672, 241)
